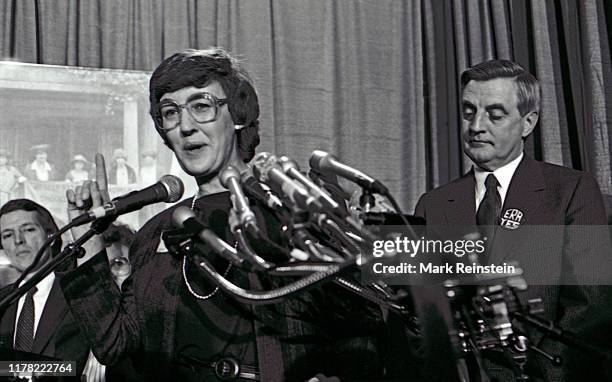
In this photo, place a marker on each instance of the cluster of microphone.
(323, 242)
(322, 237)
(301, 202)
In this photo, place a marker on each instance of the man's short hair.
(528, 87)
(199, 68)
(43, 215)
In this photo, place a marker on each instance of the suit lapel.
(7, 326)
(525, 195)
(53, 313)
(461, 208)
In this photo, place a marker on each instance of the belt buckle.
(227, 369)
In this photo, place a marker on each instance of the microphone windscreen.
(318, 160)
(262, 163)
(181, 215)
(229, 172)
(174, 186)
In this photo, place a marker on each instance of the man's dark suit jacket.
(551, 248)
(57, 336)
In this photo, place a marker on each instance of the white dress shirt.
(503, 174)
(40, 299)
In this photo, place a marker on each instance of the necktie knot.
(491, 183)
(33, 291)
(490, 206)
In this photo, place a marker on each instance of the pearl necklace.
(189, 287)
(193, 200)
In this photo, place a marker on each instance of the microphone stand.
(75, 248)
(565, 337)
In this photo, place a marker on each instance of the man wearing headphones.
(40, 321)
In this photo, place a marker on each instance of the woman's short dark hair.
(199, 68)
(43, 215)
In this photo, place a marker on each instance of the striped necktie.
(490, 207)
(24, 336)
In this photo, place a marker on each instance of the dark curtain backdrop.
(373, 81)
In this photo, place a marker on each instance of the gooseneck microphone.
(230, 179)
(184, 217)
(168, 189)
(291, 168)
(267, 169)
(327, 163)
(254, 188)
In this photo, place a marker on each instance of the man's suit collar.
(461, 197)
(54, 312)
(525, 196)
(527, 178)
(503, 174)
(56, 308)
(8, 323)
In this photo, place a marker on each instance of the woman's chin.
(195, 167)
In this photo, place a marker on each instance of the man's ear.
(529, 122)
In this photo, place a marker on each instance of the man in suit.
(40, 321)
(548, 218)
